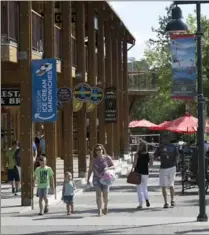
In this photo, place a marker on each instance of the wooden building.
(90, 43)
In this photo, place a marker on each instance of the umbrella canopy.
(132, 124)
(142, 123)
(161, 127)
(185, 124)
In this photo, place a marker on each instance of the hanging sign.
(90, 106)
(82, 92)
(97, 95)
(110, 105)
(183, 66)
(77, 105)
(10, 96)
(44, 90)
(64, 94)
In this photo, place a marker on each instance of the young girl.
(68, 192)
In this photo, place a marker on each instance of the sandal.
(40, 213)
(105, 211)
(99, 212)
(139, 207)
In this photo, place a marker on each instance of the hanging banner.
(97, 95)
(110, 105)
(44, 90)
(82, 92)
(183, 66)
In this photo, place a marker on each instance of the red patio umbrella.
(161, 126)
(186, 124)
(142, 123)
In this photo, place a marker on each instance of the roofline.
(121, 21)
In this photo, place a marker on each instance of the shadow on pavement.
(193, 231)
(195, 202)
(59, 217)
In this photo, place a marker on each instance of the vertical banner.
(183, 66)
(44, 90)
(110, 105)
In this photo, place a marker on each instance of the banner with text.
(183, 66)
(110, 105)
(44, 90)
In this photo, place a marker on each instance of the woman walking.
(99, 164)
(141, 164)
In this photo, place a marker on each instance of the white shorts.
(167, 177)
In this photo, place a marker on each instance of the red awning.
(142, 123)
(161, 127)
(185, 124)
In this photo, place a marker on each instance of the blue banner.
(44, 90)
(183, 66)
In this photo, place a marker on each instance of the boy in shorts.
(45, 178)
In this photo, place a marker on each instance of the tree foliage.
(162, 107)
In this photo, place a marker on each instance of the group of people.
(100, 162)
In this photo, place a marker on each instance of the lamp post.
(176, 25)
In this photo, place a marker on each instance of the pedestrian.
(99, 164)
(12, 170)
(142, 160)
(45, 179)
(68, 192)
(168, 154)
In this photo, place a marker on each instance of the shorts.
(167, 177)
(42, 192)
(68, 199)
(13, 174)
(97, 185)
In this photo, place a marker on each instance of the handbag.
(134, 178)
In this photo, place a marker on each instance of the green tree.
(162, 107)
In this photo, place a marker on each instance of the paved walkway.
(9, 202)
(123, 218)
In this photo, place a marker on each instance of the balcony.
(142, 83)
(10, 35)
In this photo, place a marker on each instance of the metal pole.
(201, 158)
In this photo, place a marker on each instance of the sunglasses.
(98, 149)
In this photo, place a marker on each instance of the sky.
(140, 16)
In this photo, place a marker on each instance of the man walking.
(168, 154)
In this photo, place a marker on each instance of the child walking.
(44, 176)
(68, 192)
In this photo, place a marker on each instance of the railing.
(142, 81)
(9, 21)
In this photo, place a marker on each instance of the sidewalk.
(12, 203)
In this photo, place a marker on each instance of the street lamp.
(177, 25)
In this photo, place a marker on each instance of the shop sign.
(82, 92)
(110, 105)
(10, 96)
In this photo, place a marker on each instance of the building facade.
(90, 43)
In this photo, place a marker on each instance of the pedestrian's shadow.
(193, 231)
(58, 217)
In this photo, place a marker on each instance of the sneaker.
(166, 205)
(172, 204)
(147, 203)
(139, 207)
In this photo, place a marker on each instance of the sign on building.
(110, 105)
(10, 96)
(44, 90)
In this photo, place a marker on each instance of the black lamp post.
(177, 25)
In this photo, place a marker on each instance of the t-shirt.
(142, 164)
(10, 158)
(43, 175)
(99, 165)
(68, 188)
(168, 155)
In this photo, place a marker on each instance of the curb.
(82, 187)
